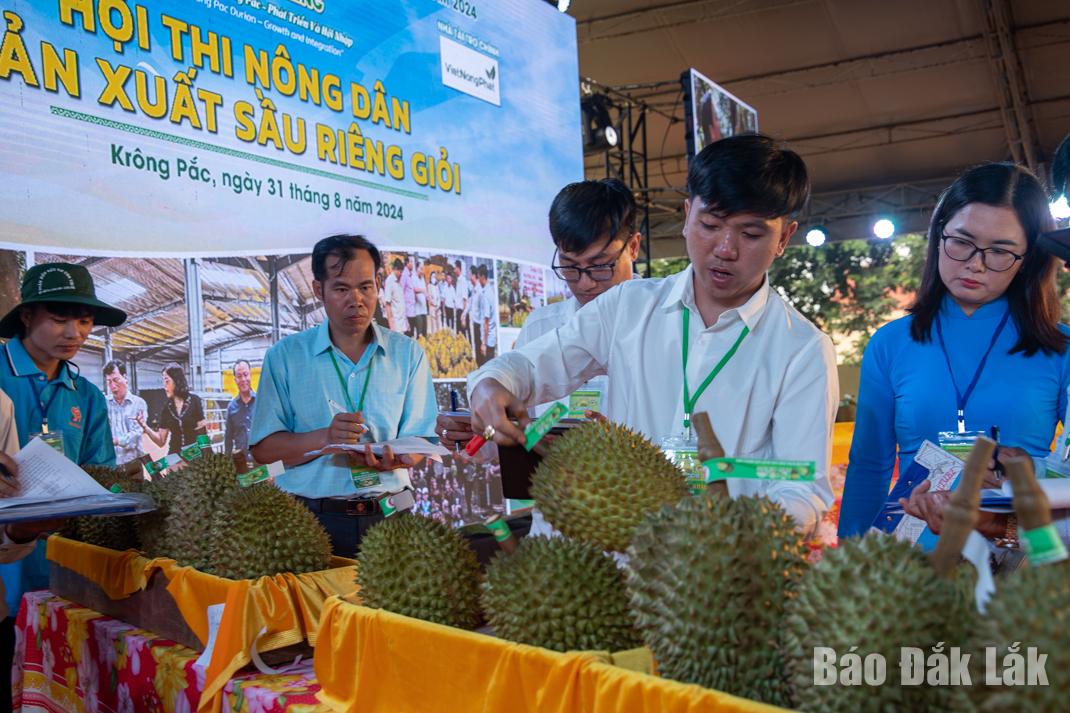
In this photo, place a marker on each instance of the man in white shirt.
(395, 299)
(592, 224)
(775, 392)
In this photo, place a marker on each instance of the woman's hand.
(927, 506)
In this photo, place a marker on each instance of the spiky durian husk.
(599, 479)
(195, 498)
(1032, 607)
(709, 579)
(114, 532)
(878, 594)
(152, 526)
(260, 531)
(560, 594)
(421, 568)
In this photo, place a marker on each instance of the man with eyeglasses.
(592, 224)
(715, 338)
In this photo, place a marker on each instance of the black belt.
(352, 506)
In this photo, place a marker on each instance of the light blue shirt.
(76, 408)
(298, 382)
(124, 426)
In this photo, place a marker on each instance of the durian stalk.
(960, 513)
(1030, 501)
(709, 447)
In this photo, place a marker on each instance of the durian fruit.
(599, 479)
(1031, 607)
(878, 594)
(560, 594)
(419, 567)
(114, 532)
(152, 526)
(260, 531)
(709, 579)
(195, 498)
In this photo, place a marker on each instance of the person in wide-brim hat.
(59, 283)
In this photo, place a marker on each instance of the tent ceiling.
(883, 99)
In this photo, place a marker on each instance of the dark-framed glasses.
(598, 273)
(963, 250)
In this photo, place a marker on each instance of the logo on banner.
(470, 72)
(314, 5)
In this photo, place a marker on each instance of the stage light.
(884, 229)
(1060, 208)
(816, 237)
(599, 134)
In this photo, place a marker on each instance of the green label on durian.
(116, 488)
(195, 450)
(1043, 545)
(257, 475)
(499, 528)
(542, 425)
(753, 469)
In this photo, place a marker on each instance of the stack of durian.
(449, 353)
(719, 589)
(204, 519)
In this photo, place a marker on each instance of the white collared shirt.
(775, 399)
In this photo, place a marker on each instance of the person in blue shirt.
(346, 381)
(51, 399)
(982, 347)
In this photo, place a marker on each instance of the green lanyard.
(689, 401)
(345, 388)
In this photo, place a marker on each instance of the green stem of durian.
(960, 513)
(1030, 502)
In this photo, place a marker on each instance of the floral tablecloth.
(69, 658)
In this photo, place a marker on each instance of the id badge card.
(959, 444)
(682, 451)
(54, 439)
(365, 477)
(585, 400)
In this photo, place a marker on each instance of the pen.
(453, 399)
(998, 469)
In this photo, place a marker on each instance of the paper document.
(51, 487)
(407, 445)
(46, 476)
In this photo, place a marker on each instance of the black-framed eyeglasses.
(963, 250)
(598, 273)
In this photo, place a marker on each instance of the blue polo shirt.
(78, 410)
(298, 382)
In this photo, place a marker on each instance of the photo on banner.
(155, 336)
(242, 317)
(446, 302)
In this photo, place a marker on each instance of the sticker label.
(195, 450)
(261, 473)
(542, 425)
(753, 469)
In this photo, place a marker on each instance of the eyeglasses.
(598, 273)
(962, 250)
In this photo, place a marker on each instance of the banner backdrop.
(256, 126)
(189, 154)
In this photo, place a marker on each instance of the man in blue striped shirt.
(346, 381)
